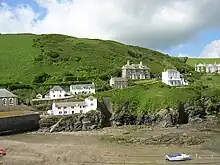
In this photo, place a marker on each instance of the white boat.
(178, 157)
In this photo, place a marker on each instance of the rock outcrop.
(77, 122)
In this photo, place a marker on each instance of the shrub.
(40, 77)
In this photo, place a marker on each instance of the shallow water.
(73, 150)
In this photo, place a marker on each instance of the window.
(53, 95)
(65, 112)
(72, 107)
(11, 101)
(60, 112)
(59, 95)
(64, 107)
(84, 106)
(80, 106)
(92, 104)
(4, 102)
(81, 111)
(72, 112)
(59, 107)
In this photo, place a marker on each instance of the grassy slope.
(193, 61)
(81, 57)
(16, 57)
(152, 96)
(85, 57)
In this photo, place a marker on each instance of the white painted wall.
(172, 78)
(57, 94)
(74, 91)
(71, 109)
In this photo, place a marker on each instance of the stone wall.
(14, 124)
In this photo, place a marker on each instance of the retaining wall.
(14, 124)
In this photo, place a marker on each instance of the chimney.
(141, 63)
(128, 62)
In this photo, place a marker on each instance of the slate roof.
(200, 65)
(91, 97)
(82, 86)
(135, 66)
(172, 70)
(69, 104)
(6, 93)
(119, 79)
(57, 88)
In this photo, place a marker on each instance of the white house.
(69, 108)
(57, 92)
(39, 96)
(200, 67)
(79, 89)
(173, 77)
(208, 68)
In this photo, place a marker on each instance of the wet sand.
(88, 148)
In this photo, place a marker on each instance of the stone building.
(7, 99)
(135, 71)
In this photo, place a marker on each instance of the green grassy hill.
(193, 61)
(150, 96)
(47, 59)
(65, 58)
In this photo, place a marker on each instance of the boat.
(2, 151)
(178, 157)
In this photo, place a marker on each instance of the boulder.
(167, 117)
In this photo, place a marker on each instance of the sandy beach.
(87, 148)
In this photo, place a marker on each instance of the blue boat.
(178, 157)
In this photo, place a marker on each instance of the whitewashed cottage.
(208, 68)
(173, 77)
(57, 92)
(80, 89)
(69, 108)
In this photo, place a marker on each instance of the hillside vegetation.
(30, 64)
(150, 96)
(27, 58)
(193, 61)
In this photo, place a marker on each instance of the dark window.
(81, 111)
(11, 101)
(4, 102)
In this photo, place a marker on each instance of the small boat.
(178, 157)
(2, 151)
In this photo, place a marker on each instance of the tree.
(40, 77)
